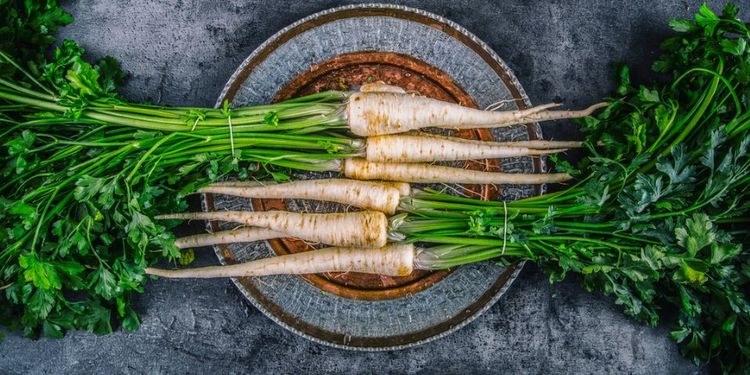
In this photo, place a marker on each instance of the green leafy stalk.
(661, 216)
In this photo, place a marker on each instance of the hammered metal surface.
(366, 321)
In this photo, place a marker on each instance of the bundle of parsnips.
(85, 172)
(662, 206)
(659, 219)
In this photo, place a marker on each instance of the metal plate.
(442, 53)
(352, 70)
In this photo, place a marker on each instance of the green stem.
(12, 62)
(697, 116)
(44, 212)
(582, 239)
(147, 154)
(30, 101)
(477, 256)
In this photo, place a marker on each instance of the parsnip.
(363, 228)
(424, 148)
(424, 173)
(380, 113)
(363, 194)
(391, 260)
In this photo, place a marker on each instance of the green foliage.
(27, 28)
(671, 182)
(84, 172)
(659, 220)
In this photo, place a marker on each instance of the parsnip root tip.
(168, 217)
(592, 108)
(156, 272)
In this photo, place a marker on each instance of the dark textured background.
(181, 52)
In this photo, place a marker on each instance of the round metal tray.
(424, 53)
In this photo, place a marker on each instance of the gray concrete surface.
(182, 52)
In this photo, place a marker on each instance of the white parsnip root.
(363, 228)
(242, 234)
(425, 173)
(363, 194)
(430, 148)
(391, 260)
(543, 145)
(380, 113)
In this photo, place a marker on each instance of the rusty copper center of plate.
(352, 70)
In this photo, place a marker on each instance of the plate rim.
(230, 89)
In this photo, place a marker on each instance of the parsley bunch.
(659, 219)
(83, 172)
